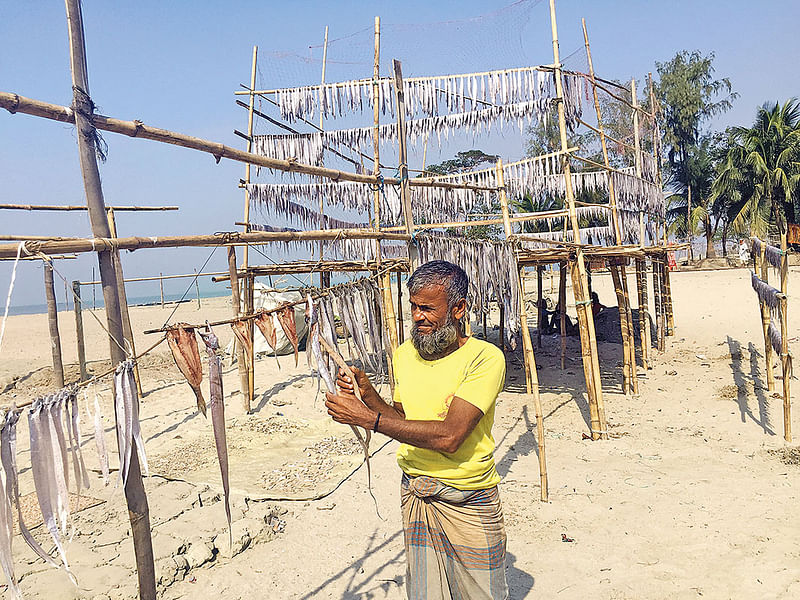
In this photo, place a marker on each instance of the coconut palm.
(762, 170)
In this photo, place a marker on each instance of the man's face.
(434, 327)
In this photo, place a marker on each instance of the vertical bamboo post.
(644, 311)
(765, 318)
(250, 112)
(501, 185)
(376, 120)
(251, 367)
(77, 306)
(637, 158)
(235, 305)
(66, 295)
(321, 125)
(94, 291)
(197, 289)
(612, 196)
(580, 285)
(135, 496)
(532, 380)
(52, 323)
(658, 290)
(629, 323)
(540, 305)
(161, 287)
(785, 359)
(562, 310)
(669, 327)
(689, 221)
(405, 197)
(127, 330)
(626, 354)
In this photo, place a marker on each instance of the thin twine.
(191, 283)
(10, 289)
(45, 258)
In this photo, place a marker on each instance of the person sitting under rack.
(551, 321)
(596, 305)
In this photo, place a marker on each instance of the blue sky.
(176, 65)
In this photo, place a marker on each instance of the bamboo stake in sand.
(765, 318)
(52, 323)
(77, 306)
(786, 365)
(532, 380)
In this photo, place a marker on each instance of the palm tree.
(762, 170)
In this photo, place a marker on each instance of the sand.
(695, 495)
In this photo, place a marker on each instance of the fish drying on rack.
(183, 344)
(217, 405)
(241, 330)
(268, 325)
(129, 434)
(286, 318)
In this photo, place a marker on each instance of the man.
(446, 386)
(744, 253)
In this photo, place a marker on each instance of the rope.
(10, 289)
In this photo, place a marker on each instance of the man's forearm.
(374, 402)
(432, 435)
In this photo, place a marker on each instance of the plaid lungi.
(455, 541)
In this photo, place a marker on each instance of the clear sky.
(176, 65)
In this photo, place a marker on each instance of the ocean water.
(97, 302)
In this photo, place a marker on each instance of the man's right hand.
(345, 383)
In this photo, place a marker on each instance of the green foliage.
(758, 178)
(689, 97)
(464, 161)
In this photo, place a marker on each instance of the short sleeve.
(484, 379)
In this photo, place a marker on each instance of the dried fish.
(7, 529)
(99, 434)
(286, 318)
(312, 314)
(183, 344)
(129, 434)
(217, 398)
(241, 329)
(267, 324)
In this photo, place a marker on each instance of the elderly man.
(446, 386)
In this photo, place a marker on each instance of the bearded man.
(446, 387)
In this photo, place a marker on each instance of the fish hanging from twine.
(183, 344)
(217, 406)
(129, 434)
(765, 292)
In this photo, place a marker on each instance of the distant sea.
(97, 302)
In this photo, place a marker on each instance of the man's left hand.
(349, 410)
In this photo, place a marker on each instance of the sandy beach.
(695, 494)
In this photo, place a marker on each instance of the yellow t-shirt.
(475, 373)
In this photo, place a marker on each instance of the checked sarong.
(455, 541)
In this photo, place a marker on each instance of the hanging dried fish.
(99, 434)
(126, 405)
(241, 329)
(268, 325)
(286, 318)
(217, 399)
(183, 344)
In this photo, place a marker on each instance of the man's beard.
(433, 344)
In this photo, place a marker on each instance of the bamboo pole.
(501, 184)
(629, 322)
(532, 380)
(161, 277)
(580, 284)
(77, 306)
(135, 495)
(52, 323)
(127, 330)
(236, 299)
(251, 106)
(562, 310)
(689, 221)
(669, 327)
(540, 305)
(644, 311)
(249, 282)
(765, 318)
(627, 385)
(405, 198)
(786, 366)
(161, 286)
(321, 127)
(80, 207)
(197, 289)
(502, 326)
(15, 103)
(400, 331)
(611, 191)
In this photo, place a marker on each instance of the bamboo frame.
(786, 365)
(52, 325)
(79, 207)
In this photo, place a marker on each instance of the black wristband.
(377, 420)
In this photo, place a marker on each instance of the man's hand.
(346, 408)
(345, 383)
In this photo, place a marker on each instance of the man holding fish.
(446, 386)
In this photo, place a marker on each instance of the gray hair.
(440, 272)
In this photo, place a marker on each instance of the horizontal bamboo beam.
(155, 278)
(52, 257)
(81, 207)
(34, 238)
(15, 103)
(231, 238)
(301, 267)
